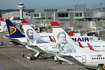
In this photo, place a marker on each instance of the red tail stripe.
(1, 19)
(54, 24)
(24, 22)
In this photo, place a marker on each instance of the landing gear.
(101, 66)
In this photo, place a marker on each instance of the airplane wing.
(16, 41)
(68, 58)
(35, 48)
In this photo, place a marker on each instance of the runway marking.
(4, 66)
(16, 60)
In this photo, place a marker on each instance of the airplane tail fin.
(13, 31)
(31, 35)
(90, 47)
(65, 44)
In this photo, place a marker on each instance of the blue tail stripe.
(16, 33)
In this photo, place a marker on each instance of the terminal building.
(79, 19)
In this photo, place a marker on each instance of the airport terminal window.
(63, 14)
(79, 27)
(78, 14)
(36, 15)
(16, 18)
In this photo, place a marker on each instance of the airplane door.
(46, 48)
(83, 59)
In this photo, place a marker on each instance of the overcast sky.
(50, 4)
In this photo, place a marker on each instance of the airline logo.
(86, 39)
(99, 55)
(12, 29)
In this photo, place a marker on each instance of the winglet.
(8, 17)
(24, 22)
(54, 24)
(90, 47)
(80, 44)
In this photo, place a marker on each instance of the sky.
(50, 4)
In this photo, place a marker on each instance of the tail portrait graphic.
(64, 42)
(63, 46)
(30, 37)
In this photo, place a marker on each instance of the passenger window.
(103, 46)
(76, 14)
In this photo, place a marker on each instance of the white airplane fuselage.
(90, 59)
(45, 47)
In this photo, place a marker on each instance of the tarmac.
(11, 59)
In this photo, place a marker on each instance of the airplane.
(15, 35)
(69, 50)
(40, 46)
(79, 54)
(37, 44)
(80, 57)
(2, 25)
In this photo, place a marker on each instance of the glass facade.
(62, 14)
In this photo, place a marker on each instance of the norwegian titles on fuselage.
(83, 39)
